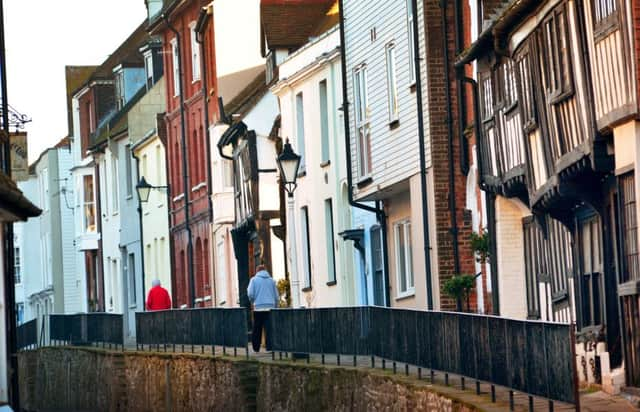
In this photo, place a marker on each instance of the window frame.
(195, 54)
(17, 265)
(128, 171)
(175, 59)
(392, 82)
(131, 275)
(88, 204)
(330, 242)
(411, 38)
(300, 132)
(362, 119)
(148, 68)
(605, 24)
(323, 96)
(409, 280)
(306, 251)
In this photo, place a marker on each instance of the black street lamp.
(144, 189)
(288, 163)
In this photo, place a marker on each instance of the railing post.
(493, 393)
(511, 401)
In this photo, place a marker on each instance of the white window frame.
(392, 82)
(411, 35)
(176, 63)
(300, 132)
(120, 91)
(131, 275)
(195, 54)
(86, 204)
(128, 171)
(148, 68)
(221, 271)
(407, 261)
(44, 189)
(362, 120)
(115, 195)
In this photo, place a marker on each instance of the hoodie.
(262, 291)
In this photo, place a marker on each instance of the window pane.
(324, 120)
(300, 129)
(402, 258)
(409, 253)
(392, 86)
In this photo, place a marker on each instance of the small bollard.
(462, 383)
(273, 356)
(446, 379)
(394, 367)
(373, 362)
(354, 360)
(419, 373)
(323, 358)
(384, 364)
(433, 376)
(235, 352)
(338, 359)
(550, 406)
(201, 349)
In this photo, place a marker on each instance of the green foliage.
(480, 243)
(284, 290)
(459, 287)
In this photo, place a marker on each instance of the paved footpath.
(446, 383)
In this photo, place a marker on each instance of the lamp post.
(288, 163)
(144, 190)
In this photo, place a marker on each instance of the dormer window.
(148, 68)
(195, 53)
(120, 91)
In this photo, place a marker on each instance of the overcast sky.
(42, 37)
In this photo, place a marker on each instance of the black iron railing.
(207, 326)
(28, 335)
(526, 356)
(86, 328)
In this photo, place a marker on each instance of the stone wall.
(82, 379)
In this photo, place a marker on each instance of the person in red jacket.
(158, 298)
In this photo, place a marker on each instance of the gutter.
(461, 92)
(380, 214)
(423, 161)
(452, 182)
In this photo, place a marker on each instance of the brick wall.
(438, 115)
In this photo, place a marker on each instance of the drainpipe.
(205, 95)
(185, 169)
(462, 106)
(423, 160)
(345, 109)
(144, 303)
(172, 263)
(452, 183)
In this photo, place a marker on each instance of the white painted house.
(385, 155)
(333, 271)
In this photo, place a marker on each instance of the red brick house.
(187, 118)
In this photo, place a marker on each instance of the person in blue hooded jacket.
(263, 294)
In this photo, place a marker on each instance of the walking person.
(158, 298)
(263, 294)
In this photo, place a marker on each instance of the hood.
(263, 274)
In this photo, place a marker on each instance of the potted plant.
(459, 287)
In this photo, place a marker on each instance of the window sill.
(325, 163)
(364, 181)
(129, 197)
(179, 197)
(406, 295)
(412, 87)
(194, 81)
(332, 283)
(393, 124)
(207, 298)
(133, 306)
(198, 186)
(302, 173)
(307, 289)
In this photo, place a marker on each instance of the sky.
(42, 37)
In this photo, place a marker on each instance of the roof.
(65, 142)
(505, 19)
(75, 76)
(13, 204)
(289, 23)
(249, 96)
(232, 84)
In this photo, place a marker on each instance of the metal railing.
(86, 328)
(226, 327)
(28, 335)
(526, 356)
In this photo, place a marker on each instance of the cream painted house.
(309, 91)
(149, 150)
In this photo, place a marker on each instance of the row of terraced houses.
(421, 125)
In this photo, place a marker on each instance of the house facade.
(251, 143)
(49, 284)
(191, 106)
(149, 151)
(332, 270)
(407, 147)
(559, 110)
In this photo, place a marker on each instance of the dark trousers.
(260, 321)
